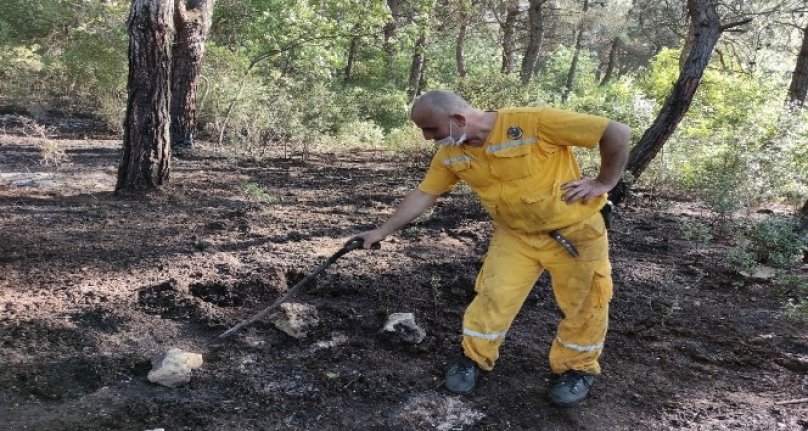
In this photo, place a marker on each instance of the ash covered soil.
(92, 286)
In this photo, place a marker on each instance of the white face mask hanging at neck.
(450, 140)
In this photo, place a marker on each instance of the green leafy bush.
(773, 241)
(364, 134)
(407, 138)
(695, 231)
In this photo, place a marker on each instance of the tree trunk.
(535, 33)
(802, 216)
(146, 146)
(417, 67)
(508, 28)
(390, 36)
(607, 75)
(799, 80)
(459, 43)
(579, 36)
(192, 19)
(352, 46)
(708, 29)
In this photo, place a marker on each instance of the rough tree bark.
(460, 42)
(417, 68)
(192, 20)
(799, 80)
(353, 45)
(508, 29)
(536, 33)
(146, 146)
(802, 216)
(607, 74)
(579, 36)
(390, 36)
(706, 29)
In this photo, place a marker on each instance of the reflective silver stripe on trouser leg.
(589, 348)
(494, 336)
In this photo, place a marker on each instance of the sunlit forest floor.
(92, 286)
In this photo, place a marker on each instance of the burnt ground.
(93, 285)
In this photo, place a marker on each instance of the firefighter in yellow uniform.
(520, 163)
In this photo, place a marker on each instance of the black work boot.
(462, 375)
(572, 387)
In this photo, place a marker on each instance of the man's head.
(440, 113)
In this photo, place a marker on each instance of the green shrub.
(695, 231)
(389, 109)
(741, 256)
(774, 241)
(364, 134)
(407, 138)
(797, 308)
(722, 183)
(257, 192)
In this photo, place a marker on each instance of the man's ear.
(460, 119)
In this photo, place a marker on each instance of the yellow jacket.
(519, 170)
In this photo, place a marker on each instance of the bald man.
(519, 161)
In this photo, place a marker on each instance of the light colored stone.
(763, 273)
(173, 368)
(296, 319)
(404, 326)
(433, 412)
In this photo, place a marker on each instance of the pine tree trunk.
(579, 36)
(459, 44)
(799, 80)
(607, 75)
(708, 29)
(352, 46)
(508, 29)
(389, 37)
(146, 146)
(536, 33)
(416, 68)
(192, 20)
(802, 216)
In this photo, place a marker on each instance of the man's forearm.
(415, 204)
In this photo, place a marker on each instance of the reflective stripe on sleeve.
(494, 336)
(580, 348)
(456, 159)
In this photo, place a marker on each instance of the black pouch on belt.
(607, 211)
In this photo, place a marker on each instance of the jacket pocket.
(602, 281)
(513, 163)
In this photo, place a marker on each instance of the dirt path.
(92, 286)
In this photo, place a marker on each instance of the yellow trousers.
(582, 288)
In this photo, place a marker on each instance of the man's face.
(433, 126)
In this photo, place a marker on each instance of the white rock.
(763, 273)
(296, 319)
(173, 368)
(431, 411)
(403, 325)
